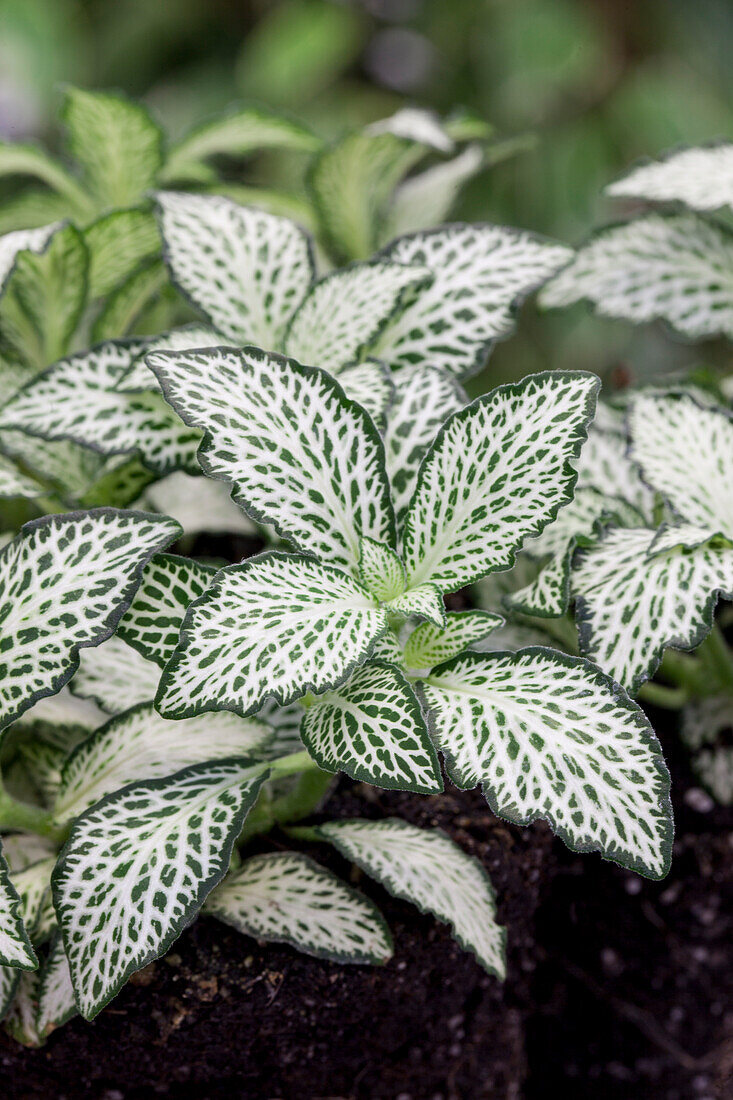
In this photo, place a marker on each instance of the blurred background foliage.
(597, 83)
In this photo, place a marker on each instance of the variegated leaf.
(14, 483)
(604, 465)
(370, 384)
(64, 583)
(198, 504)
(117, 144)
(169, 585)
(424, 600)
(285, 897)
(481, 274)
(631, 606)
(431, 645)
(125, 307)
(424, 399)
(372, 729)
(685, 452)
(380, 569)
(275, 625)
(117, 243)
(115, 676)
(701, 178)
(20, 1022)
(299, 454)
(677, 268)
(139, 744)
(425, 867)
(137, 867)
(16, 951)
(246, 270)
(497, 473)
(425, 199)
(550, 736)
(33, 240)
(139, 378)
(284, 725)
(56, 1001)
(344, 312)
(76, 399)
(706, 724)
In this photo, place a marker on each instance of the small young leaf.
(425, 200)
(64, 583)
(481, 274)
(424, 399)
(676, 268)
(431, 645)
(604, 465)
(300, 455)
(117, 243)
(15, 945)
(116, 677)
(380, 569)
(275, 625)
(246, 270)
(630, 606)
(285, 897)
(516, 446)
(425, 867)
(701, 178)
(372, 728)
(685, 452)
(117, 144)
(137, 868)
(124, 307)
(423, 600)
(344, 312)
(550, 736)
(13, 483)
(370, 385)
(20, 1022)
(32, 240)
(139, 744)
(56, 1002)
(139, 378)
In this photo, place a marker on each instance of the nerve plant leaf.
(115, 676)
(64, 584)
(117, 243)
(137, 868)
(604, 465)
(480, 275)
(632, 603)
(285, 897)
(425, 867)
(701, 178)
(300, 455)
(371, 385)
(139, 378)
(685, 452)
(15, 945)
(245, 269)
(423, 600)
(276, 625)
(56, 1002)
(431, 645)
(675, 268)
(372, 729)
(496, 474)
(139, 744)
(550, 736)
(76, 399)
(380, 569)
(425, 199)
(11, 244)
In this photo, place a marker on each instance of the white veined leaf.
(686, 536)
(380, 569)
(431, 645)
(630, 606)
(496, 474)
(514, 635)
(139, 378)
(424, 399)
(64, 583)
(76, 399)
(245, 269)
(61, 717)
(42, 301)
(198, 504)
(604, 465)
(705, 722)
(701, 178)
(126, 306)
(284, 725)
(14, 483)
(276, 625)
(139, 744)
(70, 470)
(686, 453)
(285, 897)
(56, 1001)
(115, 676)
(425, 200)
(423, 600)
(44, 762)
(481, 274)
(548, 595)
(34, 240)
(15, 946)
(20, 1022)
(22, 849)
(415, 124)
(117, 243)
(137, 868)
(677, 268)
(33, 885)
(169, 585)
(714, 769)
(344, 312)
(425, 867)
(372, 729)
(387, 648)
(370, 385)
(236, 134)
(300, 455)
(550, 736)
(117, 144)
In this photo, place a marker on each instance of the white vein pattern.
(380, 569)
(115, 676)
(604, 465)
(550, 736)
(285, 897)
(431, 645)
(701, 178)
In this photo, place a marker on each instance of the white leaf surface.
(701, 178)
(115, 676)
(431, 645)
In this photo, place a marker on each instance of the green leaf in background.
(117, 244)
(31, 160)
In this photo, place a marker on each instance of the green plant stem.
(669, 698)
(291, 764)
(717, 659)
(307, 795)
(304, 832)
(25, 818)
